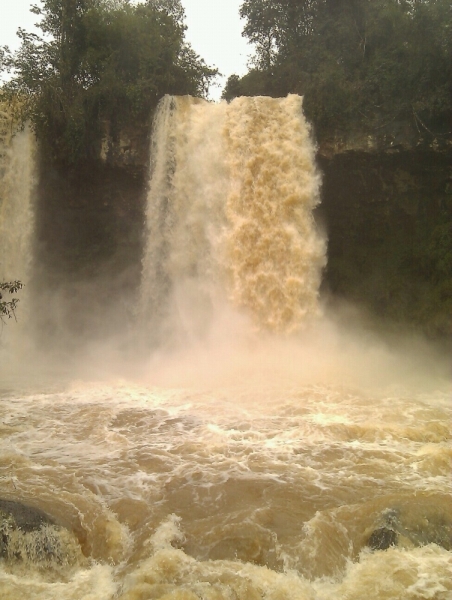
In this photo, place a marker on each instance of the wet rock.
(31, 536)
(25, 530)
(386, 536)
(425, 528)
(24, 517)
(382, 539)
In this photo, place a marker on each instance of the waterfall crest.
(229, 214)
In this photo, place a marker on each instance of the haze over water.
(254, 442)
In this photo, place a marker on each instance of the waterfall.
(229, 215)
(17, 181)
(238, 465)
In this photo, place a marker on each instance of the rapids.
(232, 492)
(251, 446)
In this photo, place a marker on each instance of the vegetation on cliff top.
(97, 61)
(359, 63)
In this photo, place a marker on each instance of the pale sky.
(214, 31)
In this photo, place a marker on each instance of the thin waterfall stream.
(254, 446)
(17, 166)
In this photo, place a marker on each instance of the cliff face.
(89, 241)
(386, 207)
(388, 215)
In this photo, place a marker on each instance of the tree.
(97, 61)
(8, 307)
(360, 62)
(256, 82)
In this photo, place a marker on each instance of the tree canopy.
(368, 62)
(98, 60)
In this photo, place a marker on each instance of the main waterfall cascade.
(246, 456)
(229, 213)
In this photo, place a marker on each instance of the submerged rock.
(430, 529)
(25, 517)
(382, 539)
(29, 535)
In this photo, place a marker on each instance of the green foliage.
(8, 307)
(359, 62)
(255, 83)
(96, 61)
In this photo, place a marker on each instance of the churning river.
(249, 447)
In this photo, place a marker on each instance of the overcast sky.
(214, 31)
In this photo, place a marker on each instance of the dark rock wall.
(88, 216)
(89, 241)
(387, 213)
(388, 216)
